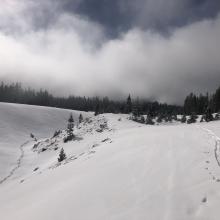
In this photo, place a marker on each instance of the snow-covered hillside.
(16, 124)
(116, 169)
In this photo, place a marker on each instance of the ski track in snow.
(18, 164)
(217, 144)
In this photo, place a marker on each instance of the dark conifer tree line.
(202, 104)
(193, 104)
(14, 93)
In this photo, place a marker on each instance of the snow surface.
(16, 124)
(115, 170)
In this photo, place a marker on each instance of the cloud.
(73, 55)
(122, 15)
(163, 15)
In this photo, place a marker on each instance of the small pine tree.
(142, 119)
(80, 118)
(70, 127)
(192, 118)
(136, 109)
(208, 115)
(174, 117)
(62, 155)
(168, 118)
(149, 120)
(128, 107)
(134, 118)
(159, 119)
(202, 118)
(32, 136)
(183, 119)
(57, 133)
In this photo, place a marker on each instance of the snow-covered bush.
(217, 116)
(192, 118)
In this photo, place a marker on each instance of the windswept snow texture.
(118, 170)
(16, 124)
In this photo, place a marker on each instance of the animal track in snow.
(216, 153)
(18, 164)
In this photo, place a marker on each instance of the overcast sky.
(150, 48)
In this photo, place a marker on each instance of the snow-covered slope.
(16, 124)
(123, 171)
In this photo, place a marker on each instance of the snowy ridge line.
(217, 144)
(18, 164)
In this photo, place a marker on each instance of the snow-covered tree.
(128, 105)
(174, 117)
(57, 133)
(202, 118)
(80, 118)
(149, 120)
(62, 155)
(168, 118)
(183, 119)
(142, 119)
(159, 119)
(70, 127)
(208, 115)
(192, 118)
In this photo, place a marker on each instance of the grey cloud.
(116, 16)
(121, 15)
(65, 58)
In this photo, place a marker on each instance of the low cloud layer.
(71, 55)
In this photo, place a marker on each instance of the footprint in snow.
(206, 152)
